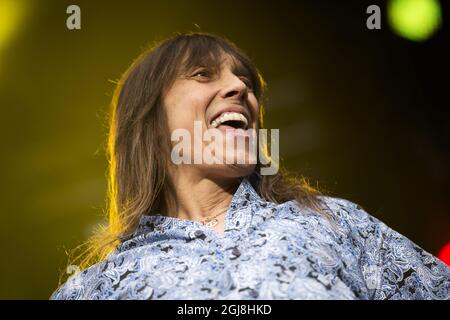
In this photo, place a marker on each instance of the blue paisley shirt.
(267, 251)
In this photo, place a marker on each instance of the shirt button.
(199, 234)
(236, 252)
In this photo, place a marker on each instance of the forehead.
(215, 61)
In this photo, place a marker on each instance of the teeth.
(228, 116)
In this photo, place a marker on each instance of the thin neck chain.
(208, 219)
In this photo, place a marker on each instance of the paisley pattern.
(268, 251)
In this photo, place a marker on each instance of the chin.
(233, 170)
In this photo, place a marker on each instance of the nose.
(233, 87)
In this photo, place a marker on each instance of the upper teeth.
(228, 116)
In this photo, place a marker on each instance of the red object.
(444, 254)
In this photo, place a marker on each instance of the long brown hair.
(138, 145)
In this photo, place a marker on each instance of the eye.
(201, 73)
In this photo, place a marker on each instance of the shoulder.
(341, 215)
(79, 286)
(346, 211)
(364, 229)
(361, 225)
(108, 278)
(361, 233)
(339, 221)
(352, 218)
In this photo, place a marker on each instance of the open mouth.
(231, 120)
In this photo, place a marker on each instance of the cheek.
(254, 109)
(184, 108)
(180, 119)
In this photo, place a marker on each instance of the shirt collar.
(237, 216)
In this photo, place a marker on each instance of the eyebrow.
(215, 65)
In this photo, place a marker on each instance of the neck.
(199, 197)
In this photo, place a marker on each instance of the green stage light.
(414, 20)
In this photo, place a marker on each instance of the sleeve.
(393, 266)
(410, 272)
